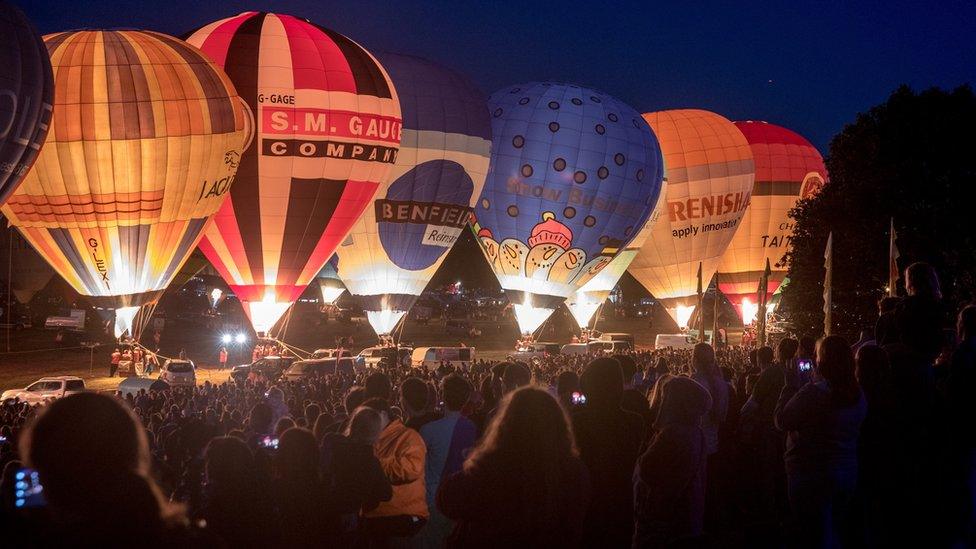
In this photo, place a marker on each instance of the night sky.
(809, 66)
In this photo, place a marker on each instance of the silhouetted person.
(402, 454)
(414, 401)
(822, 420)
(567, 383)
(632, 400)
(448, 441)
(298, 494)
(877, 481)
(609, 441)
(523, 484)
(352, 476)
(92, 457)
(916, 408)
(767, 443)
(669, 479)
(237, 504)
(961, 400)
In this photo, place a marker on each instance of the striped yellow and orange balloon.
(710, 173)
(145, 140)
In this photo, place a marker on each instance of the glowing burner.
(385, 321)
(529, 318)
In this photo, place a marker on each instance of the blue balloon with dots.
(571, 167)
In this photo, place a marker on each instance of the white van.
(574, 349)
(535, 351)
(431, 357)
(674, 341)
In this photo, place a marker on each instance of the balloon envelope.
(26, 97)
(144, 141)
(709, 172)
(328, 130)
(788, 168)
(398, 244)
(575, 174)
(23, 269)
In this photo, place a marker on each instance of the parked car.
(530, 352)
(46, 389)
(179, 372)
(301, 369)
(267, 369)
(370, 357)
(618, 336)
(331, 353)
(431, 357)
(462, 328)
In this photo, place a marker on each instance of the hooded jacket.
(669, 480)
(402, 455)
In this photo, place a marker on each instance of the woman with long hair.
(237, 505)
(523, 484)
(822, 421)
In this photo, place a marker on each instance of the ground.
(34, 353)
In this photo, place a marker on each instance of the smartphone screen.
(271, 443)
(805, 365)
(578, 398)
(28, 491)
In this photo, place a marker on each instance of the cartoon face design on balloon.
(541, 258)
(592, 269)
(490, 248)
(568, 267)
(512, 256)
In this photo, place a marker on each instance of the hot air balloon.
(398, 244)
(23, 270)
(26, 97)
(574, 175)
(709, 173)
(328, 131)
(329, 282)
(788, 168)
(585, 302)
(145, 140)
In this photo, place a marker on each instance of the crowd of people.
(811, 444)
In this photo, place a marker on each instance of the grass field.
(34, 352)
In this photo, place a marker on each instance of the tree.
(912, 158)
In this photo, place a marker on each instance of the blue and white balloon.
(574, 175)
(398, 244)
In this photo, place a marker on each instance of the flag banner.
(828, 267)
(893, 256)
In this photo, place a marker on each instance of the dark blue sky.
(810, 66)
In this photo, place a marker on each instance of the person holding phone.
(91, 456)
(609, 440)
(822, 421)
